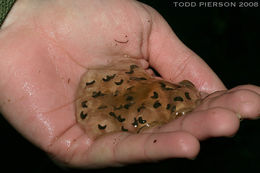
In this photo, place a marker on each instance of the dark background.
(228, 40)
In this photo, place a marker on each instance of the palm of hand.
(52, 52)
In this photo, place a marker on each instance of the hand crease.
(182, 66)
(57, 137)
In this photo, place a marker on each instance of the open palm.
(49, 47)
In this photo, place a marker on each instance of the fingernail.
(257, 117)
(239, 116)
(193, 158)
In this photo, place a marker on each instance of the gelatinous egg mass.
(127, 98)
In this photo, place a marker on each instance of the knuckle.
(188, 146)
(242, 95)
(248, 101)
(246, 87)
(217, 112)
(224, 122)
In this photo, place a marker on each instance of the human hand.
(54, 44)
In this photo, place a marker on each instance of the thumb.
(175, 62)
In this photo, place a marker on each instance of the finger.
(247, 87)
(241, 100)
(128, 148)
(215, 122)
(175, 62)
